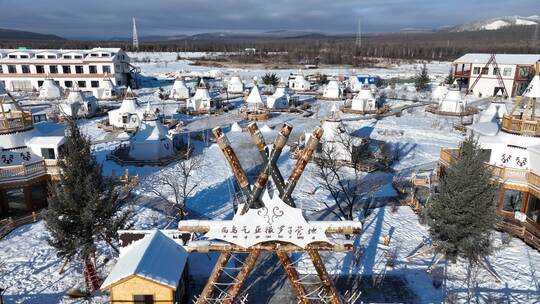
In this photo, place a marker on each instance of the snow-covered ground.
(31, 268)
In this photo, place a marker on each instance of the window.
(495, 71)
(81, 84)
(66, 69)
(105, 55)
(25, 69)
(24, 56)
(38, 193)
(12, 69)
(524, 72)
(51, 56)
(512, 200)
(67, 57)
(1, 69)
(533, 209)
(507, 72)
(143, 299)
(106, 69)
(40, 83)
(94, 84)
(40, 69)
(476, 70)
(92, 69)
(94, 55)
(12, 56)
(68, 83)
(53, 69)
(485, 71)
(40, 57)
(79, 69)
(15, 200)
(47, 153)
(77, 56)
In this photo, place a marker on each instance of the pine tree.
(270, 79)
(84, 206)
(421, 81)
(462, 214)
(450, 78)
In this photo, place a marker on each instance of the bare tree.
(176, 185)
(338, 172)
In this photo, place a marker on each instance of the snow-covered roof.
(364, 94)
(46, 141)
(254, 96)
(150, 130)
(156, 257)
(528, 59)
(75, 96)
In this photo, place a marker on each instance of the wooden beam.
(214, 277)
(242, 275)
(301, 293)
(323, 275)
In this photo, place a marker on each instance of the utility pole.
(135, 36)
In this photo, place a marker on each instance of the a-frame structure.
(265, 224)
(492, 61)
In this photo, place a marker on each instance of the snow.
(31, 269)
(495, 25)
(156, 257)
(526, 59)
(525, 22)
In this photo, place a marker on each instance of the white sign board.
(276, 221)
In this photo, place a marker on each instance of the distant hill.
(7, 34)
(495, 23)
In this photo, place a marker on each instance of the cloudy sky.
(112, 18)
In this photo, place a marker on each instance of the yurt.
(235, 86)
(50, 90)
(129, 115)
(179, 90)
(299, 83)
(453, 102)
(280, 98)
(439, 92)
(201, 101)
(151, 141)
(254, 100)
(364, 101)
(332, 90)
(107, 90)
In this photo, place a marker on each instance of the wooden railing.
(15, 121)
(517, 125)
(26, 171)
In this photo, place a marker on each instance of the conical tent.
(179, 90)
(50, 90)
(201, 100)
(151, 142)
(364, 101)
(533, 89)
(254, 99)
(453, 102)
(235, 85)
(129, 114)
(332, 90)
(107, 91)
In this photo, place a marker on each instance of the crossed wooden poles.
(253, 194)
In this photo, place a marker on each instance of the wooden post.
(293, 277)
(214, 277)
(323, 275)
(241, 277)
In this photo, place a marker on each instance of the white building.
(50, 90)
(280, 98)
(333, 90)
(364, 101)
(129, 115)
(27, 69)
(514, 69)
(299, 83)
(235, 86)
(201, 101)
(151, 141)
(179, 90)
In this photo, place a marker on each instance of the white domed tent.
(332, 90)
(299, 83)
(50, 90)
(235, 86)
(364, 101)
(179, 90)
(439, 92)
(201, 101)
(129, 115)
(254, 100)
(72, 104)
(453, 102)
(151, 141)
(107, 90)
(280, 98)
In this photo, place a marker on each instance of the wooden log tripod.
(216, 292)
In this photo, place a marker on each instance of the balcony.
(25, 172)
(517, 125)
(15, 121)
(462, 74)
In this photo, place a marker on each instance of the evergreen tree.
(462, 214)
(84, 207)
(270, 79)
(450, 78)
(421, 81)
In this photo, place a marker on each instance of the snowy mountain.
(495, 23)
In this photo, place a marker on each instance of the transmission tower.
(135, 36)
(359, 36)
